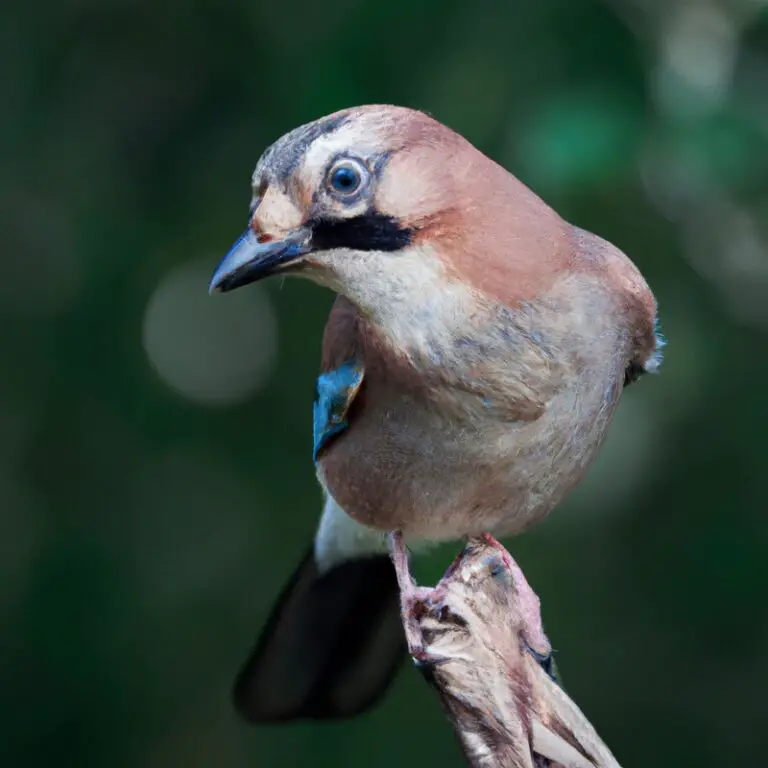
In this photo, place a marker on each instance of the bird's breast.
(439, 462)
(483, 422)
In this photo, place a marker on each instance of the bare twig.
(478, 638)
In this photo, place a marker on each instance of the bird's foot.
(492, 541)
(413, 602)
(533, 634)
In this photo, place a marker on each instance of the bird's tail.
(331, 647)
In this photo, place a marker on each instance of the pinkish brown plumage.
(493, 337)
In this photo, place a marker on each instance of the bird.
(471, 365)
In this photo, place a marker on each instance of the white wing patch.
(340, 538)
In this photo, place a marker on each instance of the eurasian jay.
(471, 365)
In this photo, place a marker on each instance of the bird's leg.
(529, 604)
(413, 600)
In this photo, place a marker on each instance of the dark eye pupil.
(345, 179)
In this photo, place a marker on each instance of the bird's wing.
(341, 377)
(513, 378)
(506, 372)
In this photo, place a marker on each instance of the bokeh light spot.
(213, 350)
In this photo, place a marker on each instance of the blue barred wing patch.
(334, 392)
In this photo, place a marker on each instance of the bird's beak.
(249, 259)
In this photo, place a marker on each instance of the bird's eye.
(345, 179)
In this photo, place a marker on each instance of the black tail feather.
(331, 647)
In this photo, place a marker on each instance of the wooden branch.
(477, 637)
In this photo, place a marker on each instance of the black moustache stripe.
(370, 232)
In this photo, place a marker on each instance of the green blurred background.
(156, 483)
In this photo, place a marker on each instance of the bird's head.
(388, 207)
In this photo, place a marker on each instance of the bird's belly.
(414, 470)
